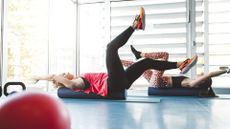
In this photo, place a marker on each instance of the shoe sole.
(142, 16)
(187, 68)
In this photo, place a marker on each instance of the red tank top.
(98, 83)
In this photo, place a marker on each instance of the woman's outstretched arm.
(64, 79)
(45, 77)
(77, 83)
(196, 82)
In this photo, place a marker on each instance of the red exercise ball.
(31, 110)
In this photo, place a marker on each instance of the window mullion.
(191, 32)
(206, 37)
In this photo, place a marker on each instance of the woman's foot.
(139, 22)
(136, 53)
(225, 68)
(188, 64)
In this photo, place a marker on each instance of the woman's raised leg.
(116, 74)
(137, 69)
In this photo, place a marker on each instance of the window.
(218, 38)
(93, 37)
(165, 28)
(168, 29)
(39, 39)
(25, 39)
(62, 36)
(100, 22)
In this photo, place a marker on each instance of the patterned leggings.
(154, 77)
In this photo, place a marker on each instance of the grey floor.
(151, 113)
(143, 112)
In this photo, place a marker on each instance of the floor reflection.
(170, 113)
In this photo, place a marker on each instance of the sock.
(136, 53)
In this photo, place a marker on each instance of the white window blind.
(62, 36)
(165, 25)
(218, 37)
(92, 37)
(165, 28)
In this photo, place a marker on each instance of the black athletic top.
(176, 81)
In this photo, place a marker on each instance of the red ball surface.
(33, 111)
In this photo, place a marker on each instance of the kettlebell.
(5, 90)
(0, 91)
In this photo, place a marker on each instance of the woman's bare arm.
(77, 83)
(46, 77)
(197, 81)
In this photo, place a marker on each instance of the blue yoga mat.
(117, 97)
(68, 93)
(177, 91)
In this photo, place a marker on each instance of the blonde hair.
(68, 76)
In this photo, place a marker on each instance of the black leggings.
(120, 79)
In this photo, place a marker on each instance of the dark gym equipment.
(0, 91)
(182, 91)
(5, 90)
(68, 93)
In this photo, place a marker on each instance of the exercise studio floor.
(140, 111)
(143, 112)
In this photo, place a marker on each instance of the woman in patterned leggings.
(154, 77)
(157, 79)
